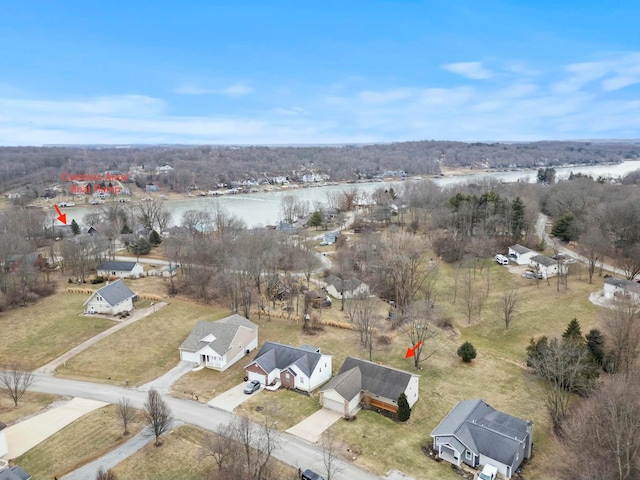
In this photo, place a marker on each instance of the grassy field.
(30, 404)
(180, 457)
(38, 333)
(142, 351)
(85, 440)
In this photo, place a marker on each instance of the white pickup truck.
(489, 472)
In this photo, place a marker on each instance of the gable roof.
(217, 335)
(484, 430)
(520, 249)
(14, 473)
(617, 282)
(114, 293)
(377, 379)
(349, 284)
(347, 384)
(275, 355)
(117, 266)
(543, 260)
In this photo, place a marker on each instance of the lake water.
(264, 208)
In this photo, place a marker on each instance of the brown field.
(85, 440)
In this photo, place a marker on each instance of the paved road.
(542, 233)
(291, 450)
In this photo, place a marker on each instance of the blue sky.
(255, 72)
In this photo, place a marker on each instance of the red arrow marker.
(412, 351)
(61, 216)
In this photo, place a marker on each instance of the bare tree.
(603, 434)
(157, 414)
(331, 447)
(16, 382)
(127, 413)
(593, 245)
(222, 448)
(106, 474)
(257, 444)
(629, 261)
(468, 294)
(418, 329)
(507, 306)
(622, 329)
(565, 368)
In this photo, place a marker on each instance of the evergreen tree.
(125, 230)
(517, 218)
(573, 333)
(566, 228)
(75, 228)
(467, 352)
(140, 247)
(536, 349)
(316, 219)
(404, 410)
(595, 345)
(154, 238)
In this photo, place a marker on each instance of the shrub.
(384, 340)
(467, 352)
(98, 279)
(404, 410)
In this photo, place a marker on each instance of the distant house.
(547, 266)
(31, 260)
(621, 288)
(477, 434)
(304, 368)
(218, 345)
(13, 473)
(113, 298)
(350, 287)
(151, 188)
(164, 169)
(317, 299)
(330, 238)
(521, 255)
(121, 269)
(360, 381)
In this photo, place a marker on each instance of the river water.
(264, 208)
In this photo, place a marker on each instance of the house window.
(98, 298)
(301, 380)
(468, 455)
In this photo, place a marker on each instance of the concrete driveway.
(233, 397)
(312, 427)
(25, 435)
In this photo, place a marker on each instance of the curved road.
(290, 450)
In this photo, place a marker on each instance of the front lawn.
(38, 333)
(144, 350)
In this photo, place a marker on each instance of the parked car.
(530, 274)
(251, 387)
(502, 260)
(311, 475)
(489, 472)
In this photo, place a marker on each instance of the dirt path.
(137, 314)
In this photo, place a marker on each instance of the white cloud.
(231, 90)
(472, 70)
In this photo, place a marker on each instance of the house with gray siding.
(477, 434)
(360, 381)
(218, 345)
(113, 298)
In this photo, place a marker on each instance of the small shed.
(521, 255)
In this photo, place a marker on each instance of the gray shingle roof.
(349, 285)
(379, 380)
(543, 260)
(117, 266)
(223, 330)
(617, 282)
(114, 293)
(520, 249)
(348, 384)
(484, 430)
(275, 355)
(14, 473)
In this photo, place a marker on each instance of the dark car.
(252, 386)
(309, 475)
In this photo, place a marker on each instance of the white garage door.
(333, 405)
(258, 376)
